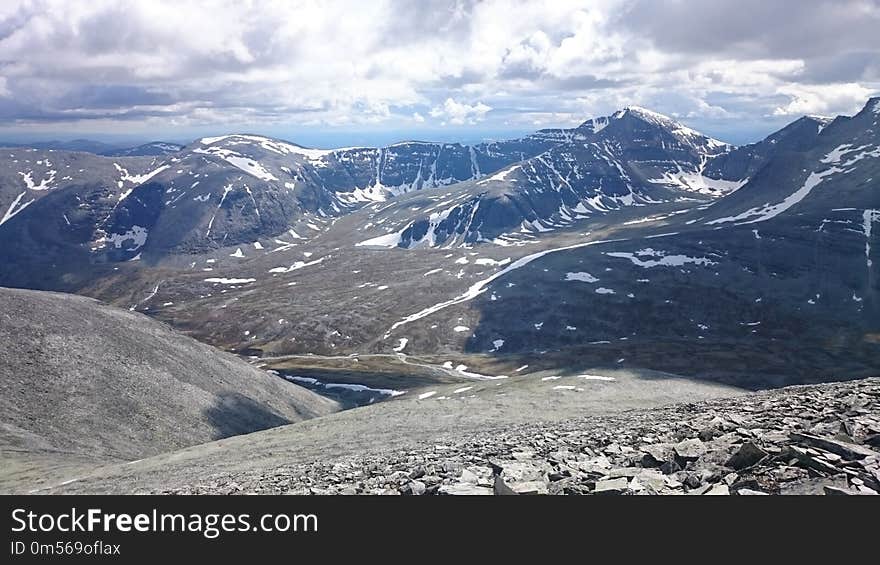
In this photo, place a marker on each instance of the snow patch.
(387, 240)
(270, 144)
(492, 262)
(137, 235)
(462, 370)
(695, 181)
(769, 211)
(246, 164)
(836, 153)
(596, 378)
(581, 276)
(296, 266)
(45, 184)
(868, 218)
(135, 180)
(663, 260)
(500, 175)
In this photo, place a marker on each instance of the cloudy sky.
(335, 73)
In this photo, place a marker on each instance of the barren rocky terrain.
(818, 439)
(83, 383)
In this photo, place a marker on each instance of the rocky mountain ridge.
(237, 189)
(782, 270)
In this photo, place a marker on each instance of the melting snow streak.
(869, 217)
(14, 208)
(481, 286)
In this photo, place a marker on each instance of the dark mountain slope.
(781, 275)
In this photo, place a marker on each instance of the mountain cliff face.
(364, 174)
(240, 189)
(222, 191)
(745, 161)
(836, 169)
(632, 158)
(244, 189)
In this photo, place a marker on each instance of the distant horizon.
(331, 138)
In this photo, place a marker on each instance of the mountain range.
(101, 148)
(630, 245)
(613, 223)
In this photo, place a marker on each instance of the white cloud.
(706, 110)
(822, 99)
(460, 113)
(337, 63)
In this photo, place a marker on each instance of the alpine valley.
(372, 303)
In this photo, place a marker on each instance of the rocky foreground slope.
(85, 382)
(818, 439)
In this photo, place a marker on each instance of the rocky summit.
(817, 439)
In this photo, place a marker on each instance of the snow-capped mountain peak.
(675, 128)
(648, 114)
(268, 143)
(819, 118)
